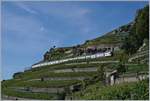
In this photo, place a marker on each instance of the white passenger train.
(76, 58)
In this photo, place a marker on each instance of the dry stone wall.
(5, 97)
(129, 79)
(60, 78)
(66, 78)
(90, 69)
(37, 90)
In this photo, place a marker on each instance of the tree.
(17, 75)
(142, 23)
(54, 47)
(121, 68)
(51, 50)
(138, 32)
(101, 74)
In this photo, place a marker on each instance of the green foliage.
(138, 32)
(127, 91)
(123, 58)
(17, 74)
(142, 23)
(121, 68)
(101, 73)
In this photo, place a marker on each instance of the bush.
(121, 68)
(17, 75)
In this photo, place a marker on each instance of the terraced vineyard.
(67, 80)
(117, 76)
(55, 81)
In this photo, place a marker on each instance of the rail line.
(97, 55)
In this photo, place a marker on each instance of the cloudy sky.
(29, 29)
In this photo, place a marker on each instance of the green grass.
(137, 68)
(52, 74)
(45, 84)
(29, 95)
(11, 82)
(106, 39)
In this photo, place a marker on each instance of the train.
(93, 56)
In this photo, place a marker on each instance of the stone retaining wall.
(5, 97)
(93, 62)
(137, 56)
(66, 78)
(37, 90)
(90, 69)
(130, 79)
(61, 78)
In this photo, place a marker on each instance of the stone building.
(106, 47)
(111, 77)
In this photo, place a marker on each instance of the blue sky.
(29, 29)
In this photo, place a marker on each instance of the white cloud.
(72, 14)
(26, 8)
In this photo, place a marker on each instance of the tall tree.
(138, 32)
(142, 23)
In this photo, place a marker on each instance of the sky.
(30, 28)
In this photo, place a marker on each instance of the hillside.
(114, 37)
(110, 39)
(113, 76)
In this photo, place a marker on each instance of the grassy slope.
(106, 39)
(36, 75)
(42, 84)
(12, 92)
(109, 38)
